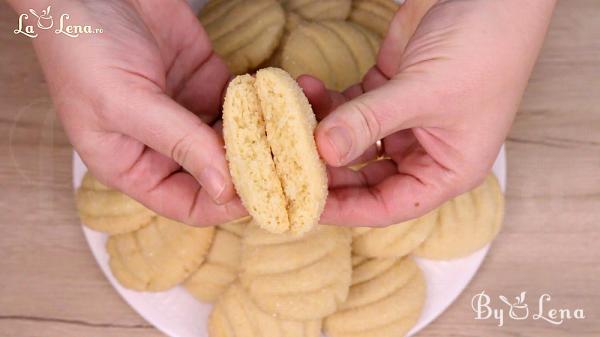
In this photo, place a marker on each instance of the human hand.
(136, 103)
(442, 100)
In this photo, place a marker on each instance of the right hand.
(441, 99)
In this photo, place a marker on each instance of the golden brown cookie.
(466, 223)
(268, 129)
(236, 227)
(158, 256)
(374, 15)
(107, 210)
(244, 33)
(393, 241)
(337, 52)
(297, 277)
(221, 265)
(292, 20)
(235, 315)
(386, 299)
(316, 10)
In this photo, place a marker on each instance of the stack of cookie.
(336, 41)
(388, 290)
(359, 282)
(288, 284)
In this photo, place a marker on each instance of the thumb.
(353, 127)
(400, 32)
(165, 126)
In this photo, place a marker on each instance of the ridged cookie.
(222, 263)
(386, 299)
(107, 210)
(466, 223)
(337, 52)
(245, 33)
(393, 241)
(297, 277)
(235, 315)
(316, 10)
(268, 128)
(236, 227)
(374, 15)
(158, 256)
(292, 21)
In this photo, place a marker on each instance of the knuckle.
(105, 106)
(113, 181)
(182, 148)
(467, 181)
(478, 179)
(368, 122)
(453, 190)
(107, 176)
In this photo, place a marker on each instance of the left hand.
(137, 102)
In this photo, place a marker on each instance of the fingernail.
(214, 183)
(341, 141)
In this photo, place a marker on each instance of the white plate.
(178, 314)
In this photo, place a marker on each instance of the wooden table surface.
(50, 284)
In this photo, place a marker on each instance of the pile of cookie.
(336, 41)
(278, 272)
(346, 282)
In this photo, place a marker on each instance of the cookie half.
(158, 256)
(466, 223)
(268, 128)
(107, 210)
(244, 33)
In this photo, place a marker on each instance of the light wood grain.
(50, 284)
